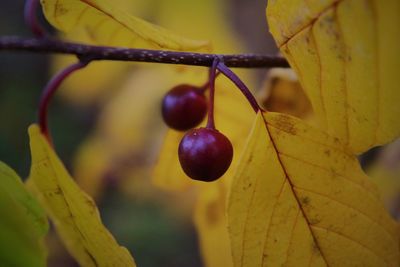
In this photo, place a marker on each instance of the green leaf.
(23, 223)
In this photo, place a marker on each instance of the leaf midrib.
(292, 189)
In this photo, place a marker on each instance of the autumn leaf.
(23, 224)
(109, 25)
(282, 92)
(100, 79)
(346, 55)
(73, 213)
(299, 198)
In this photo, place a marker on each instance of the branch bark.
(45, 45)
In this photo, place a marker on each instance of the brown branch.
(32, 45)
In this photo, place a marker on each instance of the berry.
(184, 107)
(205, 154)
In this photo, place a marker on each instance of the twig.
(45, 45)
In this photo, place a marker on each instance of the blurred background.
(109, 144)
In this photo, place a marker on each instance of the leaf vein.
(352, 240)
(371, 193)
(350, 207)
(122, 24)
(291, 187)
(336, 148)
(312, 21)
(247, 219)
(291, 237)
(346, 100)
(81, 15)
(377, 67)
(270, 219)
(321, 96)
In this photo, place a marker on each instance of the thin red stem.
(240, 84)
(213, 70)
(30, 14)
(205, 86)
(49, 91)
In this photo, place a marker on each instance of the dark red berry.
(184, 107)
(205, 154)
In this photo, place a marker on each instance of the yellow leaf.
(205, 19)
(99, 80)
(210, 221)
(282, 93)
(300, 199)
(346, 55)
(109, 25)
(73, 213)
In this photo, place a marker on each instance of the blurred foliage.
(155, 236)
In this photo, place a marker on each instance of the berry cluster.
(204, 153)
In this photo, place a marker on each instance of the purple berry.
(205, 154)
(184, 107)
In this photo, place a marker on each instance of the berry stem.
(205, 86)
(240, 84)
(49, 91)
(213, 70)
(31, 20)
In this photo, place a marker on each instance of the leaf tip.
(33, 130)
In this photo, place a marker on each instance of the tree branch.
(45, 45)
